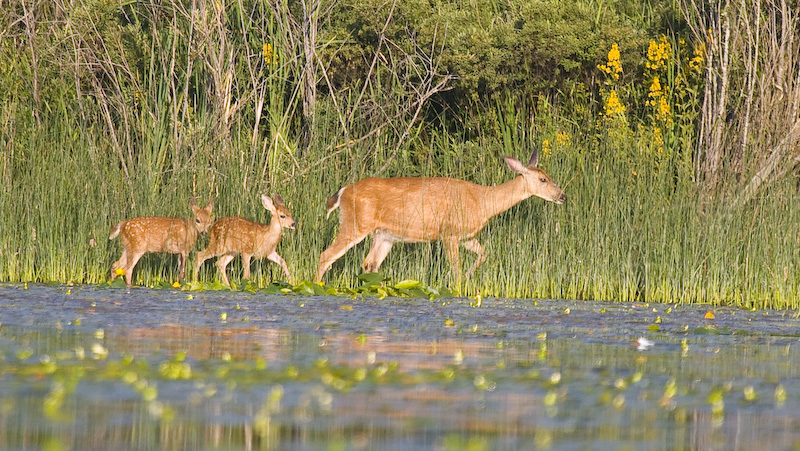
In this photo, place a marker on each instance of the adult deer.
(156, 234)
(412, 210)
(233, 235)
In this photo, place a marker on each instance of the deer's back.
(415, 208)
(157, 234)
(237, 234)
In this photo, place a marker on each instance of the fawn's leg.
(279, 260)
(222, 264)
(133, 259)
(246, 263)
(202, 256)
(121, 263)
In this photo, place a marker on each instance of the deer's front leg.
(451, 249)
(279, 260)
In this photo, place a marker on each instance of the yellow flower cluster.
(562, 140)
(658, 100)
(613, 106)
(658, 54)
(614, 66)
(698, 61)
(658, 140)
(546, 147)
(268, 53)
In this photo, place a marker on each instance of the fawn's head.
(203, 217)
(537, 182)
(279, 210)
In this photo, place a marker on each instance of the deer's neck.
(274, 227)
(501, 197)
(191, 232)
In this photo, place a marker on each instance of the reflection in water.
(155, 370)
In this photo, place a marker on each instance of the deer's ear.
(210, 205)
(515, 165)
(266, 201)
(278, 199)
(534, 156)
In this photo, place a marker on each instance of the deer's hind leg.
(473, 245)
(381, 245)
(119, 264)
(349, 235)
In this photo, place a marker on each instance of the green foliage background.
(112, 109)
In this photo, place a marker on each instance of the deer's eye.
(543, 180)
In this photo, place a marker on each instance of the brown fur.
(233, 235)
(409, 209)
(145, 234)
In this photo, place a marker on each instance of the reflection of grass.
(553, 384)
(524, 363)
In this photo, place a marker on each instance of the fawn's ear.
(266, 201)
(278, 200)
(210, 205)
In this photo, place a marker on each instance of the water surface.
(91, 368)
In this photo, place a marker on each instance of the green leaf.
(406, 284)
(371, 278)
(272, 289)
(119, 282)
(304, 287)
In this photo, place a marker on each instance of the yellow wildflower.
(562, 139)
(614, 66)
(613, 106)
(658, 54)
(658, 140)
(655, 88)
(655, 92)
(546, 147)
(176, 285)
(119, 271)
(268, 53)
(664, 112)
(697, 62)
(658, 100)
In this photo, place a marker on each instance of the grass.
(632, 229)
(628, 232)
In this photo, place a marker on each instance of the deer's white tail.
(115, 231)
(333, 202)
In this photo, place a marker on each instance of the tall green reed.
(632, 228)
(627, 231)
